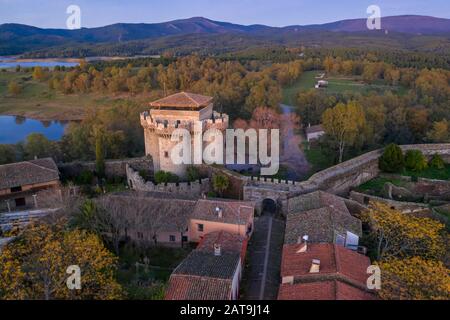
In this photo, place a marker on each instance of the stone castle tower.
(181, 110)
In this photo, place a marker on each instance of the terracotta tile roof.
(319, 215)
(177, 212)
(204, 276)
(316, 200)
(206, 264)
(196, 288)
(335, 261)
(233, 212)
(314, 129)
(227, 241)
(28, 172)
(183, 100)
(326, 290)
(342, 274)
(320, 225)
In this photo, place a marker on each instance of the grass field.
(430, 173)
(37, 101)
(336, 85)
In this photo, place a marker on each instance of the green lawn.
(336, 85)
(317, 157)
(306, 82)
(430, 173)
(376, 185)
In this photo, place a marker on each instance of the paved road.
(262, 274)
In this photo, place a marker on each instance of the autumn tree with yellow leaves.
(414, 279)
(34, 266)
(343, 124)
(400, 235)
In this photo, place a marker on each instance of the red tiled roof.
(228, 242)
(325, 290)
(183, 100)
(185, 287)
(335, 260)
(233, 212)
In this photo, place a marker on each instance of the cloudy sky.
(52, 13)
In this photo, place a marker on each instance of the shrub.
(392, 159)
(437, 162)
(220, 183)
(165, 177)
(85, 178)
(415, 160)
(193, 173)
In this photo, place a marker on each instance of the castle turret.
(181, 110)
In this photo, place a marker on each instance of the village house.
(21, 182)
(314, 132)
(167, 219)
(212, 215)
(324, 218)
(323, 272)
(212, 271)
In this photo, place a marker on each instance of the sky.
(95, 13)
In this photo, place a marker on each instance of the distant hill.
(18, 39)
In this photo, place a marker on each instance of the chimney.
(304, 244)
(315, 266)
(219, 212)
(217, 250)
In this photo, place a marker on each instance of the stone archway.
(269, 207)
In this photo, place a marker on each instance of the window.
(16, 189)
(166, 154)
(20, 202)
(140, 235)
(200, 227)
(184, 239)
(172, 238)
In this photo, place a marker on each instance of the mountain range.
(19, 38)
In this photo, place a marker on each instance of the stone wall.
(191, 189)
(113, 168)
(405, 207)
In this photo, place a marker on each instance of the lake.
(15, 129)
(8, 62)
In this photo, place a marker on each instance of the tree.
(437, 162)
(165, 177)
(343, 123)
(34, 266)
(415, 160)
(38, 73)
(414, 279)
(14, 88)
(193, 173)
(37, 145)
(7, 154)
(392, 159)
(99, 152)
(439, 132)
(399, 235)
(220, 183)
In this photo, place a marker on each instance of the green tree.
(38, 146)
(415, 160)
(7, 154)
(392, 159)
(38, 73)
(193, 173)
(165, 177)
(14, 88)
(437, 162)
(220, 183)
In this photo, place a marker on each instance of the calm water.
(6, 62)
(16, 129)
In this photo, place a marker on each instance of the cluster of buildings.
(321, 258)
